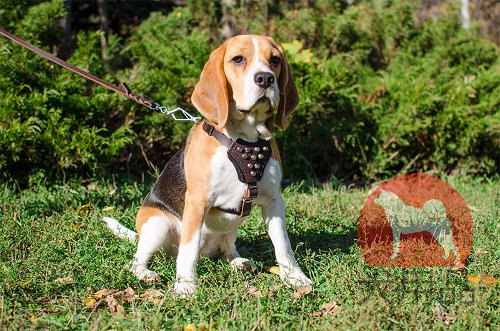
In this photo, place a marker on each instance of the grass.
(53, 232)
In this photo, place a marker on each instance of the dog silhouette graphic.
(404, 219)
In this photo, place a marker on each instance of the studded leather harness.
(249, 160)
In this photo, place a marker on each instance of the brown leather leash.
(126, 92)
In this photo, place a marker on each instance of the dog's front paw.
(184, 289)
(243, 264)
(294, 278)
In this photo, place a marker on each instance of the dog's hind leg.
(395, 236)
(230, 253)
(156, 232)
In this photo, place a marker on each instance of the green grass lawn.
(54, 232)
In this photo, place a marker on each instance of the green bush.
(381, 93)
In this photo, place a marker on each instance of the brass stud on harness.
(253, 157)
(251, 166)
(256, 149)
(252, 173)
(248, 150)
(257, 166)
(239, 149)
(265, 148)
(260, 156)
(245, 156)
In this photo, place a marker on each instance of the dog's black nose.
(264, 79)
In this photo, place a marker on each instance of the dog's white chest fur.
(226, 191)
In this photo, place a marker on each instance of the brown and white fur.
(245, 89)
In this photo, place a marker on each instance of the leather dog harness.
(249, 160)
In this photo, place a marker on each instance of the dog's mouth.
(262, 103)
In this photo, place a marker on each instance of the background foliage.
(383, 89)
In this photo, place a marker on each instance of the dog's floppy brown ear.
(210, 93)
(289, 97)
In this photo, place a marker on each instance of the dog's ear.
(210, 93)
(289, 97)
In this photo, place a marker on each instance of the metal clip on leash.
(187, 117)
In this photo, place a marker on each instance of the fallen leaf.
(130, 295)
(481, 251)
(33, 319)
(153, 296)
(114, 306)
(108, 208)
(327, 309)
(274, 270)
(302, 291)
(488, 280)
(253, 291)
(485, 279)
(88, 302)
(439, 313)
(200, 327)
(64, 280)
(474, 279)
(103, 293)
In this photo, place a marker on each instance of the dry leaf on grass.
(481, 251)
(200, 327)
(302, 291)
(114, 306)
(110, 297)
(103, 293)
(274, 270)
(90, 303)
(253, 291)
(439, 313)
(327, 309)
(33, 319)
(485, 279)
(64, 280)
(153, 296)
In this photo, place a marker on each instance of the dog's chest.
(226, 191)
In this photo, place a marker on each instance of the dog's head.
(245, 74)
(387, 199)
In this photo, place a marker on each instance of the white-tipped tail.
(119, 230)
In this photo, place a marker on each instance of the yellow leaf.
(108, 208)
(33, 319)
(274, 270)
(190, 327)
(64, 280)
(89, 302)
(474, 279)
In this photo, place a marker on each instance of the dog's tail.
(119, 230)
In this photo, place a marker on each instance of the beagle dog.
(201, 197)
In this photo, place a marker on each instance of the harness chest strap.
(249, 159)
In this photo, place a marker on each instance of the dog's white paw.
(294, 278)
(144, 274)
(393, 256)
(243, 264)
(184, 289)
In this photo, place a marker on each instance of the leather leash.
(126, 92)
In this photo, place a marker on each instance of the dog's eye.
(238, 59)
(274, 60)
